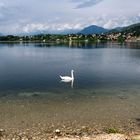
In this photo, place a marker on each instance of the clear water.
(33, 68)
(106, 76)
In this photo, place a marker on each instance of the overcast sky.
(17, 16)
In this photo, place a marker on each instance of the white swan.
(68, 78)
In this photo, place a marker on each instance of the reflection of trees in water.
(75, 44)
(88, 44)
(71, 44)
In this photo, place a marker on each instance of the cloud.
(86, 3)
(31, 27)
(8, 13)
(17, 16)
(34, 27)
(103, 21)
(113, 22)
(46, 27)
(3, 11)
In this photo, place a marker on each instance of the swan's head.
(72, 70)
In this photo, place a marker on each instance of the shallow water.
(105, 93)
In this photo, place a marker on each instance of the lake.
(105, 91)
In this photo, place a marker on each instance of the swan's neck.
(72, 76)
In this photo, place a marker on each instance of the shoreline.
(40, 41)
(57, 134)
(36, 115)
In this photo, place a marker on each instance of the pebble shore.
(59, 135)
(41, 119)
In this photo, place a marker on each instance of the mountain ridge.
(93, 29)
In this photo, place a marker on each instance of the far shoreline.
(83, 41)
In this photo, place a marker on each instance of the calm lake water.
(107, 83)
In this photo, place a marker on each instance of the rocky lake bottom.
(37, 114)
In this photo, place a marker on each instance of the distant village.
(115, 37)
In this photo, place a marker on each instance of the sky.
(27, 16)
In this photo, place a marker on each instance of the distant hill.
(93, 29)
(135, 29)
(117, 29)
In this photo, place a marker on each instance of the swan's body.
(68, 78)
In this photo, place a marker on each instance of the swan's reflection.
(68, 81)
